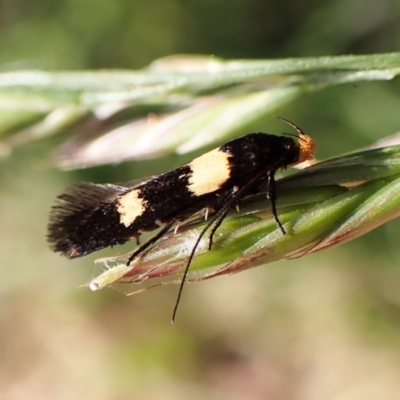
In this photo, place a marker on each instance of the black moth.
(89, 217)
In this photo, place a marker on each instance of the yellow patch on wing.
(209, 172)
(130, 206)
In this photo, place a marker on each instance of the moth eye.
(289, 145)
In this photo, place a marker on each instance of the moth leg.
(271, 196)
(151, 241)
(137, 238)
(218, 221)
(223, 211)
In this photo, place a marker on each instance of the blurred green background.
(325, 326)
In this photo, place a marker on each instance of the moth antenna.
(294, 126)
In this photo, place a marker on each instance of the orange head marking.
(306, 143)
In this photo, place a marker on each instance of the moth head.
(305, 142)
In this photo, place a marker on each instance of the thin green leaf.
(177, 105)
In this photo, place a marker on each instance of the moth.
(89, 217)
